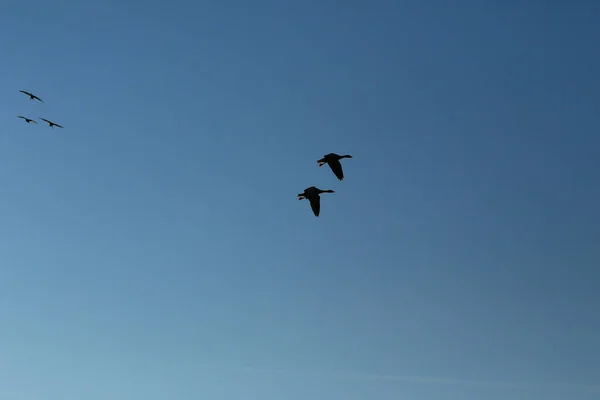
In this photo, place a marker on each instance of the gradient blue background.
(155, 247)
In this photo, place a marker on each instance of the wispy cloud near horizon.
(365, 376)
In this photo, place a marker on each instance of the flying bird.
(31, 96)
(334, 163)
(312, 194)
(28, 120)
(50, 123)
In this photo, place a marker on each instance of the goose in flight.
(312, 194)
(334, 163)
(31, 96)
(50, 123)
(28, 120)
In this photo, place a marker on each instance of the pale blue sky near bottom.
(155, 249)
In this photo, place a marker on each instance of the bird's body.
(31, 96)
(333, 160)
(28, 120)
(312, 194)
(50, 123)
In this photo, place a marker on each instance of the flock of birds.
(312, 194)
(33, 97)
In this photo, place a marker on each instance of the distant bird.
(334, 163)
(50, 123)
(312, 194)
(31, 96)
(28, 120)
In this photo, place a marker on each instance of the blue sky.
(155, 249)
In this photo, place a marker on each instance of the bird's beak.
(300, 197)
(321, 164)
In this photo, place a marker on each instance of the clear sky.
(155, 249)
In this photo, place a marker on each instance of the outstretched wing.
(336, 167)
(35, 97)
(20, 116)
(27, 93)
(51, 123)
(315, 204)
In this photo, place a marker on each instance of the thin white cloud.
(400, 378)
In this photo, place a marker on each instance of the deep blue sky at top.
(155, 246)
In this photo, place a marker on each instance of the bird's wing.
(34, 121)
(35, 97)
(336, 167)
(21, 117)
(44, 119)
(60, 126)
(315, 204)
(27, 93)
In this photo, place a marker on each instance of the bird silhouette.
(50, 123)
(312, 194)
(334, 163)
(31, 96)
(28, 120)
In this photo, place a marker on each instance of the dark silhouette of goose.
(50, 123)
(312, 194)
(28, 120)
(31, 96)
(334, 163)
